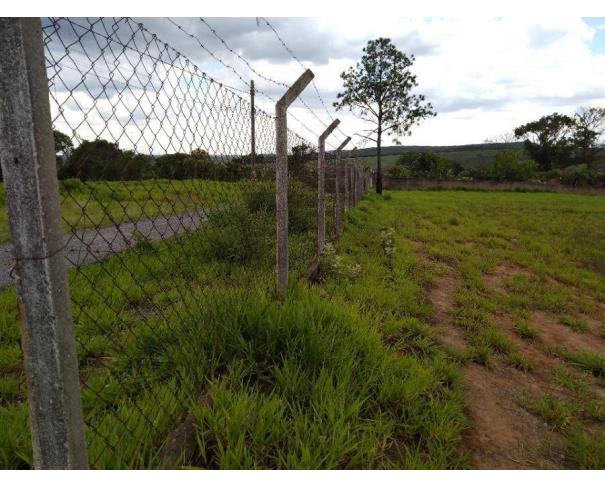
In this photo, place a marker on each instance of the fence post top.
(296, 89)
(329, 130)
(345, 142)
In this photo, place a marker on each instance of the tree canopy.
(379, 91)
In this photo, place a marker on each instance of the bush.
(508, 166)
(238, 235)
(302, 204)
(399, 172)
(429, 165)
(579, 175)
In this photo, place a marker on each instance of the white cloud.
(484, 76)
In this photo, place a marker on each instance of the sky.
(484, 76)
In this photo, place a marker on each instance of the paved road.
(86, 246)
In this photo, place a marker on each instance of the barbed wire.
(289, 50)
(262, 76)
(246, 82)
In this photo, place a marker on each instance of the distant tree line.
(100, 159)
(557, 147)
(557, 140)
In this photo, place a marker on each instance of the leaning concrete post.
(281, 174)
(321, 187)
(27, 154)
(339, 204)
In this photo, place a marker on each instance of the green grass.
(315, 381)
(552, 250)
(346, 374)
(526, 330)
(105, 203)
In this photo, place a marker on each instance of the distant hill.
(469, 155)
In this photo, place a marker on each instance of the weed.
(574, 323)
(526, 331)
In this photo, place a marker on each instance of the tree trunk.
(378, 160)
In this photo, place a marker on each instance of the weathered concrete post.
(281, 174)
(252, 133)
(350, 181)
(347, 195)
(27, 155)
(321, 187)
(339, 204)
(351, 186)
(354, 185)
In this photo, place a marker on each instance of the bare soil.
(502, 434)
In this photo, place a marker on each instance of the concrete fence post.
(281, 174)
(252, 133)
(339, 204)
(355, 185)
(27, 155)
(351, 186)
(347, 185)
(321, 186)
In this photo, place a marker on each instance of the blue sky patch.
(598, 42)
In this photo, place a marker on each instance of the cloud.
(484, 76)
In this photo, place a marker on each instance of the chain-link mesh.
(161, 213)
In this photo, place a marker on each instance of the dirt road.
(86, 246)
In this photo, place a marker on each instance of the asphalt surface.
(87, 246)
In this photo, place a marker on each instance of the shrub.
(399, 172)
(236, 234)
(508, 166)
(429, 165)
(302, 204)
(579, 175)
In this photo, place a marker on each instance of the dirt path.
(502, 434)
(86, 246)
(441, 296)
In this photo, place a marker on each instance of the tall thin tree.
(379, 91)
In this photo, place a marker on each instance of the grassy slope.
(103, 203)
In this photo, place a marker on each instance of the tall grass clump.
(308, 384)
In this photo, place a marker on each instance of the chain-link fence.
(164, 205)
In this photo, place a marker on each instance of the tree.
(302, 153)
(588, 133)
(103, 160)
(379, 91)
(549, 140)
(63, 144)
(429, 165)
(508, 166)
(504, 138)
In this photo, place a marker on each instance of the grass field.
(450, 330)
(105, 203)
